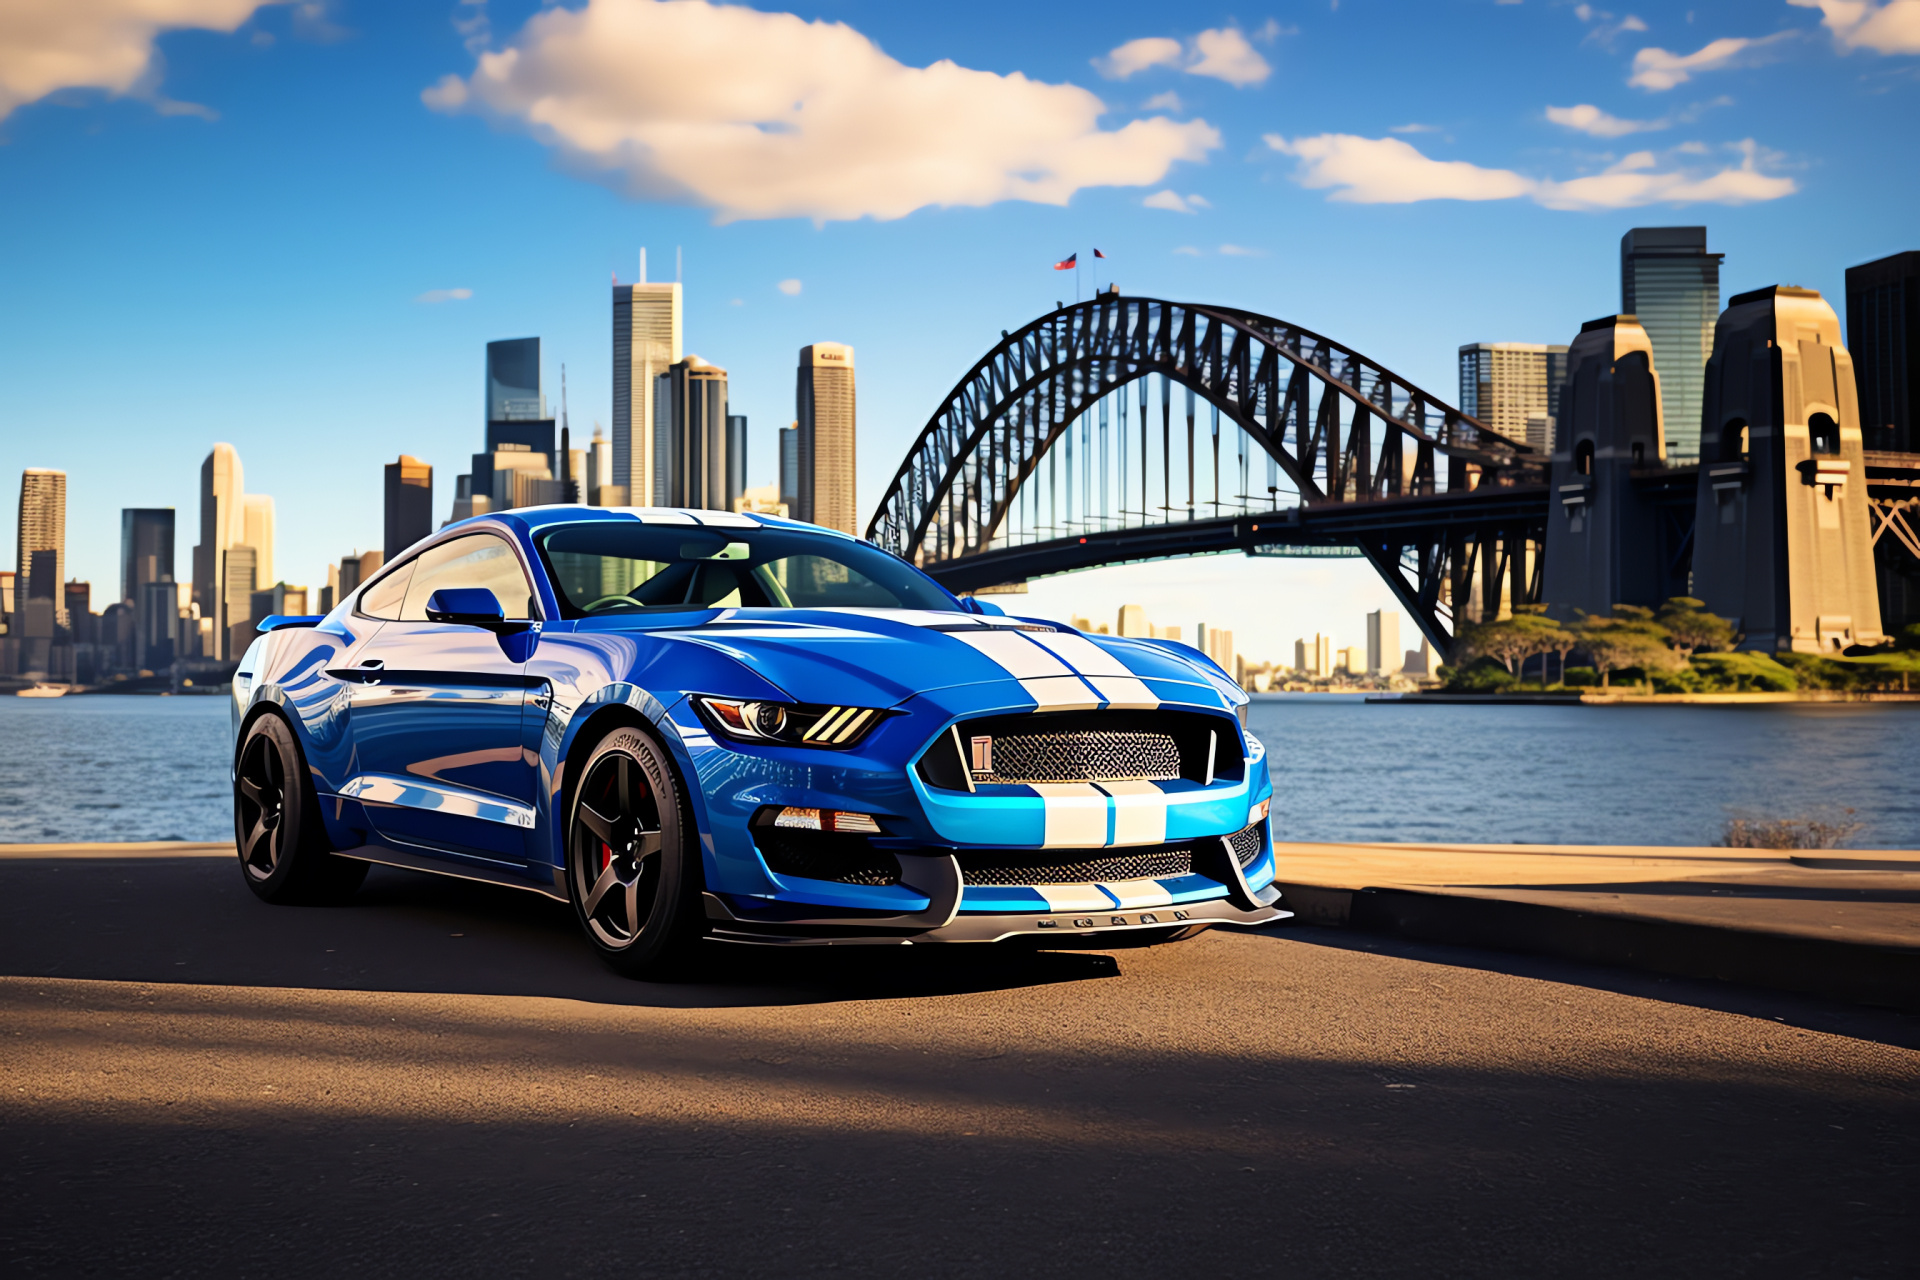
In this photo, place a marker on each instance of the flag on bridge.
(1098, 254)
(1072, 261)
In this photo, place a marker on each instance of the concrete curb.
(1861, 973)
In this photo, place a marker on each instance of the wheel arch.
(589, 732)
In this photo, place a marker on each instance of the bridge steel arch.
(1345, 430)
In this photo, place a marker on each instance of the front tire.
(633, 872)
(284, 854)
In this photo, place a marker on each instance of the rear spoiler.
(281, 621)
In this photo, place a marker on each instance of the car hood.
(882, 657)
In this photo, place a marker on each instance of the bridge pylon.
(1603, 529)
(1782, 540)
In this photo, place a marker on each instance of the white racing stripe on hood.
(1061, 693)
(926, 617)
(1076, 815)
(1119, 687)
(1139, 812)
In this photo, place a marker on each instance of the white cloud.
(1226, 55)
(1590, 119)
(789, 287)
(49, 45)
(1168, 101)
(1173, 202)
(1223, 53)
(1389, 171)
(1241, 251)
(1137, 55)
(1414, 128)
(445, 295)
(1885, 26)
(1605, 29)
(1187, 251)
(766, 115)
(1658, 70)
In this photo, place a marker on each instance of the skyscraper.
(1508, 385)
(1384, 657)
(409, 504)
(222, 525)
(146, 558)
(513, 380)
(646, 343)
(1883, 335)
(736, 458)
(43, 527)
(1672, 284)
(789, 483)
(824, 402)
(146, 548)
(691, 439)
(258, 534)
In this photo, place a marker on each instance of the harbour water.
(138, 768)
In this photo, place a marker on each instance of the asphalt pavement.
(441, 1079)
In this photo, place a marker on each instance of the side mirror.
(466, 606)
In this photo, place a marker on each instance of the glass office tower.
(513, 380)
(691, 438)
(1670, 281)
(824, 404)
(1508, 385)
(646, 343)
(1883, 336)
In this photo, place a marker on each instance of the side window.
(383, 598)
(478, 560)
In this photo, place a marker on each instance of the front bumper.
(940, 880)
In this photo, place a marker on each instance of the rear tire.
(633, 864)
(284, 854)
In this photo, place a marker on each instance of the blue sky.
(226, 226)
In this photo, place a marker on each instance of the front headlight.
(788, 724)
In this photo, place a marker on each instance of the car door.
(436, 712)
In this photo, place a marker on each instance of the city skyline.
(1561, 133)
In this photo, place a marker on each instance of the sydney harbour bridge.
(1124, 429)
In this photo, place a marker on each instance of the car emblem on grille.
(982, 757)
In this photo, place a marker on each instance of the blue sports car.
(705, 725)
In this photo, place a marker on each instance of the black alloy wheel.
(276, 823)
(633, 884)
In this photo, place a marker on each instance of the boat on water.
(43, 691)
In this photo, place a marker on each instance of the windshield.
(607, 567)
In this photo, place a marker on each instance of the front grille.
(1096, 756)
(821, 855)
(1040, 866)
(1247, 844)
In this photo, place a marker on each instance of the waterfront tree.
(1691, 629)
(1631, 637)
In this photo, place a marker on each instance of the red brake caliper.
(606, 857)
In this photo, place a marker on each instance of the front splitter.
(1078, 925)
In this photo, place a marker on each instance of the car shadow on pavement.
(153, 918)
(1861, 1022)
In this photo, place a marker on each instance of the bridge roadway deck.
(1320, 524)
(440, 1079)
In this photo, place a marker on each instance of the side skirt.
(389, 856)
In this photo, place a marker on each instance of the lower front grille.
(1248, 844)
(821, 855)
(1045, 866)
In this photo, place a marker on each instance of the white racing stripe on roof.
(662, 515)
(1138, 893)
(1076, 814)
(727, 519)
(1074, 897)
(1139, 812)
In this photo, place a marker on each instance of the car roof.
(538, 518)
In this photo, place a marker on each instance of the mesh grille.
(815, 855)
(1098, 756)
(1017, 867)
(1247, 844)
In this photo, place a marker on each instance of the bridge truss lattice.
(1049, 455)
